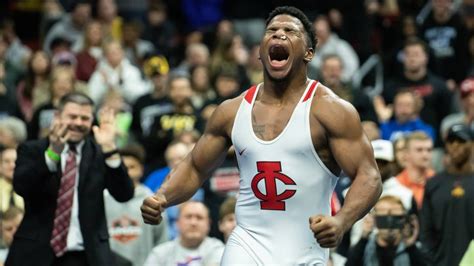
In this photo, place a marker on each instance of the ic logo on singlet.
(270, 172)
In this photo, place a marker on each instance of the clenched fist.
(328, 230)
(152, 208)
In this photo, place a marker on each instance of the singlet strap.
(309, 93)
(250, 93)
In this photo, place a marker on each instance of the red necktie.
(64, 205)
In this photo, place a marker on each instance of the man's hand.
(328, 230)
(152, 208)
(106, 131)
(58, 136)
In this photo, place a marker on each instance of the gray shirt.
(172, 253)
(129, 236)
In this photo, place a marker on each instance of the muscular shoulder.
(336, 115)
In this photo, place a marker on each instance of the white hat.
(383, 150)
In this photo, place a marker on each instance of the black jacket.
(39, 188)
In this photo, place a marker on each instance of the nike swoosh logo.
(242, 151)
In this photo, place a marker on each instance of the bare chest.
(268, 122)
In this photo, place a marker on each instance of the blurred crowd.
(163, 66)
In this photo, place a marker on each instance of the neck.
(417, 174)
(191, 243)
(39, 79)
(55, 101)
(158, 93)
(415, 75)
(9, 180)
(463, 168)
(283, 91)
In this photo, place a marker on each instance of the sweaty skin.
(335, 130)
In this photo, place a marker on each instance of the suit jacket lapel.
(87, 158)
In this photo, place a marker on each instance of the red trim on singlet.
(250, 93)
(310, 91)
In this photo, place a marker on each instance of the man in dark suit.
(62, 179)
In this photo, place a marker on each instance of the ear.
(308, 55)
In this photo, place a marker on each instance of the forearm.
(119, 183)
(181, 183)
(361, 197)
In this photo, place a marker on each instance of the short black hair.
(134, 150)
(413, 41)
(75, 97)
(295, 12)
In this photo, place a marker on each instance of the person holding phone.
(388, 238)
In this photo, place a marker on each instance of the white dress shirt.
(74, 238)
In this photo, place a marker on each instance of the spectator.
(116, 73)
(161, 32)
(62, 82)
(406, 115)
(254, 66)
(91, 52)
(201, 83)
(444, 32)
(466, 116)
(17, 54)
(167, 126)
(418, 169)
(130, 237)
(155, 103)
(71, 25)
(227, 221)
(9, 222)
(109, 19)
(8, 197)
(330, 43)
(68, 62)
(393, 59)
(400, 145)
(52, 12)
(8, 106)
(136, 49)
(227, 84)
(196, 54)
(394, 241)
(62, 180)
(332, 69)
(384, 156)
(448, 205)
(12, 131)
(37, 75)
(230, 54)
(193, 246)
(432, 89)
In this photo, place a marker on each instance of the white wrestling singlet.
(282, 183)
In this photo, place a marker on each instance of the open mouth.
(278, 55)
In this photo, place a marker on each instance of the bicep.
(349, 144)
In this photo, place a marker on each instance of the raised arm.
(353, 153)
(188, 176)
